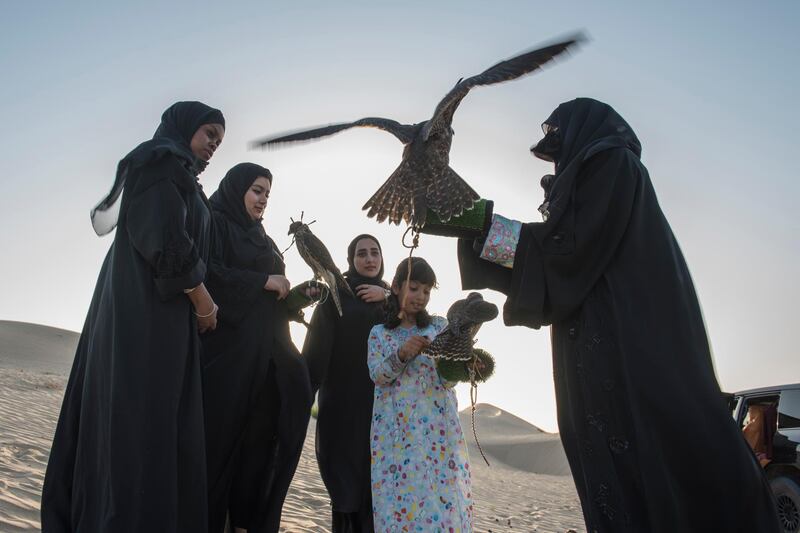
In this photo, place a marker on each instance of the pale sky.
(709, 87)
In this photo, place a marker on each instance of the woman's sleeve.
(383, 361)
(156, 225)
(233, 289)
(555, 268)
(318, 346)
(477, 273)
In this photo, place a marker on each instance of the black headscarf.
(229, 196)
(574, 132)
(354, 279)
(174, 135)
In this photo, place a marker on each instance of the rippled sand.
(518, 492)
(29, 404)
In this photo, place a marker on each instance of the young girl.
(420, 470)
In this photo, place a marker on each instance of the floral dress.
(420, 468)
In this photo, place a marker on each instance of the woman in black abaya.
(649, 438)
(128, 452)
(255, 385)
(336, 352)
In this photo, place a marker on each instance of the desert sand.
(527, 488)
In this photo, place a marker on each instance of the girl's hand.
(371, 293)
(279, 284)
(412, 348)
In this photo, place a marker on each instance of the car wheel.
(787, 499)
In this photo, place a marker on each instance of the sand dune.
(512, 441)
(518, 492)
(36, 347)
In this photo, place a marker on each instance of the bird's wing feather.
(507, 70)
(450, 195)
(318, 249)
(330, 281)
(306, 256)
(393, 200)
(316, 254)
(403, 132)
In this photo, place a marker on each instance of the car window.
(733, 403)
(789, 410)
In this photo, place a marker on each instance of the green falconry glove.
(473, 223)
(459, 371)
(297, 300)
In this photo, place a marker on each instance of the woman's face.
(367, 258)
(255, 199)
(549, 148)
(206, 140)
(414, 296)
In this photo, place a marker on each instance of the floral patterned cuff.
(397, 365)
(501, 243)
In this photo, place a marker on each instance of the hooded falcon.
(317, 256)
(464, 319)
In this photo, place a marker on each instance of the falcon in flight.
(424, 179)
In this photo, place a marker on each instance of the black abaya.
(336, 352)
(650, 441)
(128, 451)
(256, 391)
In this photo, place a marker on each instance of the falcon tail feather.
(333, 287)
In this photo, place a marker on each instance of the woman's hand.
(207, 321)
(203, 305)
(279, 284)
(312, 290)
(371, 293)
(412, 348)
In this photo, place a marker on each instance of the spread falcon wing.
(394, 199)
(403, 132)
(507, 70)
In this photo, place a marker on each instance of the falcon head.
(297, 226)
(468, 314)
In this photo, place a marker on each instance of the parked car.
(770, 420)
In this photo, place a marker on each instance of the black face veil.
(581, 128)
(574, 132)
(174, 135)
